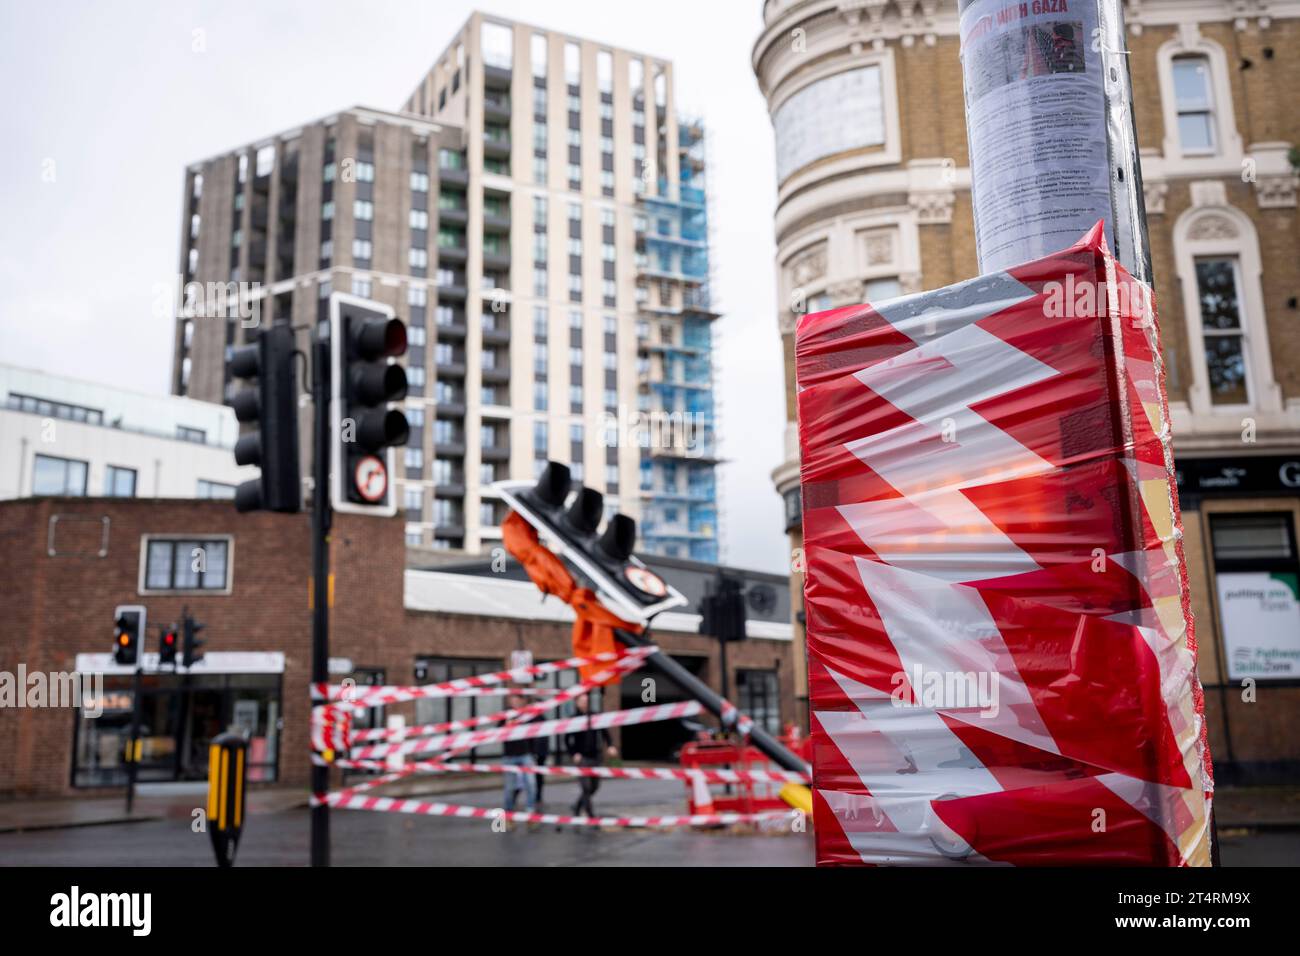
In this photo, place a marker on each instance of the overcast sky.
(110, 102)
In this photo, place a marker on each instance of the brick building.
(67, 562)
(873, 201)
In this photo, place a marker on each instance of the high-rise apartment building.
(537, 213)
(873, 200)
(585, 210)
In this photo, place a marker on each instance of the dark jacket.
(590, 744)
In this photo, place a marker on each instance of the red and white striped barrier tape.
(394, 694)
(546, 728)
(344, 801)
(623, 665)
(608, 773)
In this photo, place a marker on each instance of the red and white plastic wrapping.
(1002, 664)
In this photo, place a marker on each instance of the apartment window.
(361, 249)
(1191, 75)
(610, 361)
(611, 399)
(540, 397)
(539, 358)
(327, 210)
(441, 472)
(417, 295)
(414, 537)
(327, 172)
(413, 458)
(215, 489)
(419, 219)
(611, 477)
(414, 500)
(327, 250)
(177, 564)
(575, 398)
(415, 376)
(450, 159)
(572, 63)
(418, 258)
(363, 210)
(539, 283)
(541, 438)
(575, 175)
(576, 470)
(1217, 288)
(365, 172)
(415, 335)
(196, 435)
(537, 46)
(575, 288)
(575, 319)
(419, 182)
(119, 482)
(539, 170)
(58, 476)
(487, 436)
(362, 286)
(445, 432)
(415, 413)
(575, 356)
(541, 320)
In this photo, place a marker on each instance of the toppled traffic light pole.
(570, 519)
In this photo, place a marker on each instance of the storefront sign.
(1261, 624)
(1266, 474)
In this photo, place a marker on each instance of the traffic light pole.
(132, 742)
(713, 702)
(320, 569)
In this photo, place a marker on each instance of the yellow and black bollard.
(226, 769)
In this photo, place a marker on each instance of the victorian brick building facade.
(873, 201)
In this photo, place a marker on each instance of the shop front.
(1240, 517)
(180, 714)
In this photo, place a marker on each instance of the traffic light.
(273, 405)
(571, 518)
(365, 339)
(190, 653)
(722, 612)
(167, 644)
(128, 633)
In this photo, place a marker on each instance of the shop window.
(1257, 580)
(758, 695)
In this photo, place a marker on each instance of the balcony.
(494, 452)
(496, 77)
(453, 216)
(496, 260)
(496, 334)
(455, 329)
(455, 488)
(453, 175)
(496, 108)
(496, 145)
(452, 291)
(497, 375)
(496, 219)
(452, 251)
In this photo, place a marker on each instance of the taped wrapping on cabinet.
(1002, 664)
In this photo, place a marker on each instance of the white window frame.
(141, 582)
(1263, 392)
(1228, 150)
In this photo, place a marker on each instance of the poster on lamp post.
(1036, 124)
(1260, 612)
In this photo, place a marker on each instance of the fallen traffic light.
(273, 405)
(571, 518)
(365, 340)
(128, 633)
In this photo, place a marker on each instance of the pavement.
(1257, 826)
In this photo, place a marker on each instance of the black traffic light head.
(365, 339)
(273, 405)
(571, 518)
(722, 611)
(168, 642)
(190, 643)
(129, 623)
